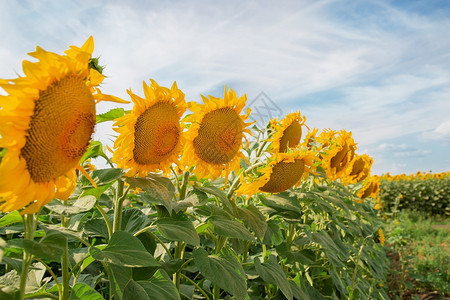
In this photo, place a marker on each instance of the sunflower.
(358, 169)
(46, 122)
(381, 238)
(338, 153)
(151, 136)
(214, 138)
(370, 188)
(288, 132)
(310, 139)
(283, 171)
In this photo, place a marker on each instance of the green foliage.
(431, 196)
(418, 250)
(179, 237)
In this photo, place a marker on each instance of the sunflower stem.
(65, 263)
(65, 274)
(197, 286)
(236, 183)
(105, 217)
(179, 253)
(184, 185)
(260, 149)
(29, 225)
(118, 205)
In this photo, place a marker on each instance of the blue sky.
(380, 69)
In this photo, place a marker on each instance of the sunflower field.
(422, 192)
(197, 201)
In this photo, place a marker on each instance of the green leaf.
(298, 292)
(96, 192)
(110, 115)
(159, 190)
(82, 291)
(160, 286)
(230, 228)
(194, 198)
(96, 227)
(218, 193)
(271, 272)
(282, 202)
(71, 235)
(273, 235)
(120, 276)
(148, 241)
(77, 255)
(125, 250)
(254, 219)
(334, 251)
(103, 177)
(223, 270)
(14, 263)
(2, 248)
(95, 149)
(293, 256)
(178, 230)
(81, 205)
(134, 220)
(11, 218)
(50, 247)
(133, 290)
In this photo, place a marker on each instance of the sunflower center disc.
(338, 158)
(219, 136)
(61, 126)
(284, 175)
(291, 136)
(157, 133)
(358, 166)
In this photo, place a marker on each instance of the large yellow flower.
(358, 169)
(283, 171)
(46, 122)
(288, 132)
(338, 153)
(214, 138)
(370, 188)
(151, 137)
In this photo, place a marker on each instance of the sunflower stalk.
(184, 185)
(105, 217)
(29, 225)
(118, 204)
(179, 253)
(65, 263)
(235, 185)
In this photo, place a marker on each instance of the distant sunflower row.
(416, 176)
(48, 117)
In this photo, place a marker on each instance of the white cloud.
(441, 132)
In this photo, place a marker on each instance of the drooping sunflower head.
(151, 136)
(338, 153)
(370, 188)
(310, 139)
(381, 237)
(283, 171)
(287, 132)
(215, 136)
(46, 122)
(358, 169)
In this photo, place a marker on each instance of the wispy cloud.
(377, 69)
